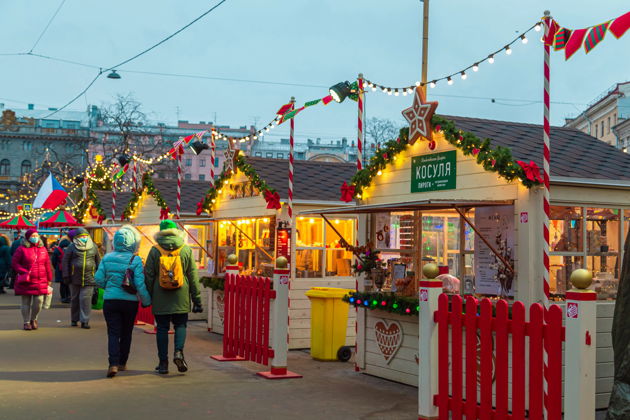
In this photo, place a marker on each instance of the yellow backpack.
(171, 269)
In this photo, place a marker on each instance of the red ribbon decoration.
(347, 192)
(100, 219)
(532, 171)
(164, 213)
(272, 199)
(475, 151)
(199, 208)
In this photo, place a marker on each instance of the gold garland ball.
(430, 270)
(282, 262)
(581, 278)
(232, 259)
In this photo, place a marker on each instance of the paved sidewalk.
(58, 372)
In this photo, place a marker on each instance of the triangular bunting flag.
(574, 43)
(311, 103)
(595, 36)
(620, 25)
(284, 109)
(561, 38)
(327, 99)
(553, 28)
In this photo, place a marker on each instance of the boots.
(179, 361)
(162, 368)
(112, 371)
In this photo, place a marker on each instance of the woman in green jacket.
(172, 282)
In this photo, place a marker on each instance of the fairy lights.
(373, 86)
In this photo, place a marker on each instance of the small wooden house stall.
(145, 209)
(251, 220)
(471, 202)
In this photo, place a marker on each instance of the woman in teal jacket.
(120, 307)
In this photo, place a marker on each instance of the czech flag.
(50, 195)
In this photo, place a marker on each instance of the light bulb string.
(406, 89)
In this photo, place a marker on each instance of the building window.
(27, 146)
(258, 154)
(602, 129)
(280, 156)
(188, 176)
(5, 167)
(188, 162)
(608, 132)
(202, 177)
(202, 163)
(269, 155)
(26, 167)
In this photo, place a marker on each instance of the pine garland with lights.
(389, 302)
(84, 206)
(497, 159)
(247, 169)
(147, 184)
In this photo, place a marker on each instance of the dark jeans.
(64, 291)
(163, 324)
(120, 316)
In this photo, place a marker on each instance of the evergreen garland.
(247, 169)
(83, 206)
(385, 301)
(214, 283)
(497, 159)
(147, 184)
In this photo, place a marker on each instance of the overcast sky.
(316, 43)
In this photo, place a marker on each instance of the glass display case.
(251, 239)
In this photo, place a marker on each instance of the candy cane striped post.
(546, 159)
(134, 175)
(180, 152)
(113, 199)
(360, 124)
(212, 158)
(291, 148)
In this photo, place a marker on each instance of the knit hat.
(167, 224)
(76, 232)
(29, 233)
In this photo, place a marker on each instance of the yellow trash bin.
(329, 322)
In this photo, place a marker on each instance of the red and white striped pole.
(291, 149)
(113, 199)
(360, 124)
(180, 152)
(546, 159)
(212, 158)
(134, 175)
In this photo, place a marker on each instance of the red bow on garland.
(272, 199)
(199, 208)
(347, 192)
(100, 219)
(532, 171)
(164, 213)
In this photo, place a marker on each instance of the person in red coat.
(33, 276)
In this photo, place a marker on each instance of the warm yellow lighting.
(214, 201)
(220, 191)
(311, 220)
(301, 218)
(337, 221)
(358, 195)
(225, 182)
(266, 220)
(379, 173)
(98, 158)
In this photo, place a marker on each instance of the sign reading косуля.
(434, 172)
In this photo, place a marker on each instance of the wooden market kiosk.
(413, 207)
(246, 227)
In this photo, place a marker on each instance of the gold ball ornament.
(430, 270)
(282, 262)
(581, 278)
(232, 259)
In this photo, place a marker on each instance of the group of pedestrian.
(168, 282)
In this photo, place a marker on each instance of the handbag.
(128, 280)
(48, 298)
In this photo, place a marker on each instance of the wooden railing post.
(579, 369)
(430, 290)
(279, 338)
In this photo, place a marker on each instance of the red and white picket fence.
(251, 303)
(475, 346)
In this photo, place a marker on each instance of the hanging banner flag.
(50, 195)
(122, 172)
(595, 36)
(571, 40)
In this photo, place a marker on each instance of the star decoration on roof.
(231, 154)
(419, 117)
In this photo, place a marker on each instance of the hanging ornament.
(231, 155)
(419, 117)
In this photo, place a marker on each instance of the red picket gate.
(247, 303)
(480, 345)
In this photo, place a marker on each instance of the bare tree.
(380, 130)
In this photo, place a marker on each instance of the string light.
(464, 76)
(475, 67)
(449, 80)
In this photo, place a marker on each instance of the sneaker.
(34, 325)
(179, 361)
(85, 326)
(27, 326)
(74, 323)
(162, 368)
(112, 371)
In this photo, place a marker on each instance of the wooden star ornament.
(419, 117)
(231, 155)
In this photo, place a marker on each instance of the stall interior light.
(311, 220)
(336, 221)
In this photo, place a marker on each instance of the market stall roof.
(192, 192)
(409, 206)
(17, 222)
(312, 180)
(60, 218)
(574, 154)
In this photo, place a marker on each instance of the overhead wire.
(41, 35)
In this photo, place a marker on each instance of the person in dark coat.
(17, 241)
(34, 275)
(79, 264)
(5, 262)
(57, 258)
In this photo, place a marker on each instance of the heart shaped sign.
(220, 305)
(388, 337)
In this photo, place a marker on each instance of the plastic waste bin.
(329, 322)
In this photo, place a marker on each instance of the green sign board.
(434, 172)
